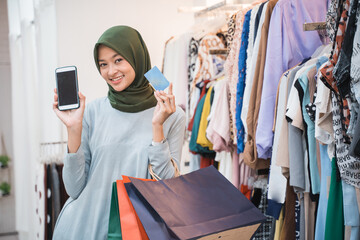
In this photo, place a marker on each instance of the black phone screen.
(67, 89)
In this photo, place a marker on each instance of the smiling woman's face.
(115, 69)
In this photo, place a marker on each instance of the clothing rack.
(211, 8)
(315, 26)
(52, 143)
(220, 6)
(52, 152)
(223, 51)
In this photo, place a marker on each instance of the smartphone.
(67, 88)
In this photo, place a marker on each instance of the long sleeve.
(160, 155)
(289, 46)
(76, 165)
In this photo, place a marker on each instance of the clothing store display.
(266, 130)
(250, 153)
(285, 101)
(285, 53)
(232, 68)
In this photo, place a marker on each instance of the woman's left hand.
(165, 106)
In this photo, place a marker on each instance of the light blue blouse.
(113, 144)
(314, 170)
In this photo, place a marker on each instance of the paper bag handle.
(157, 178)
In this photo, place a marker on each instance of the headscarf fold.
(128, 42)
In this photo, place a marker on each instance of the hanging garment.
(341, 70)
(298, 152)
(252, 56)
(297, 219)
(327, 71)
(334, 227)
(348, 166)
(230, 32)
(351, 210)
(309, 215)
(323, 199)
(200, 88)
(257, 19)
(193, 54)
(277, 181)
(250, 152)
(201, 138)
(40, 201)
(176, 54)
(193, 146)
(241, 83)
(225, 164)
(232, 68)
(285, 26)
(314, 170)
(204, 66)
(218, 129)
(279, 224)
(324, 130)
(355, 58)
(331, 18)
(289, 226)
(267, 229)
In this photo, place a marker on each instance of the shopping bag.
(153, 224)
(114, 230)
(131, 226)
(124, 223)
(200, 205)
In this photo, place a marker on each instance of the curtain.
(32, 38)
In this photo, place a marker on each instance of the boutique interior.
(269, 90)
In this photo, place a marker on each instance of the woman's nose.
(112, 70)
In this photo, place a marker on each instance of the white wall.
(80, 24)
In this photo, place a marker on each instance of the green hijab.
(128, 42)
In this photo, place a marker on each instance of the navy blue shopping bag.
(153, 224)
(200, 205)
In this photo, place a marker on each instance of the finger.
(166, 102)
(55, 107)
(81, 96)
(172, 103)
(167, 97)
(82, 100)
(160, 101)
(55, 90)
(157, 96)
(171, 89)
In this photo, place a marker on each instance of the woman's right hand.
(73, 122)
(71, 118)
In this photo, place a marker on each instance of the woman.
(116, 135)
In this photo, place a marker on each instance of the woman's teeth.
(117, 79)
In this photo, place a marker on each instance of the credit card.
(157, 79)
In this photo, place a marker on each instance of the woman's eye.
(118, 60)
(102, 64)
